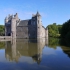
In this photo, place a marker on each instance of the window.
(34, 22)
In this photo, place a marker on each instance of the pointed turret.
(38, 14)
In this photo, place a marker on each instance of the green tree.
(54, 30)
(65, 31)
(2, 30)
(65, 34)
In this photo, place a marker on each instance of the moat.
(24, 54)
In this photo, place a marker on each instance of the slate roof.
(24, 22)
(43, 27)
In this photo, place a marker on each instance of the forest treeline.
(2, 30)
(65, 30)
(65, 34)
(62, 31)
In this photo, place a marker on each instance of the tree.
(65, 31)
(54, 30)
(65, 34)
(2, 30)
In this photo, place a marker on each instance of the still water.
(24, 54)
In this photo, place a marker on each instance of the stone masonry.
(31, 28)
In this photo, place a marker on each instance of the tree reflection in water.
(63, 43)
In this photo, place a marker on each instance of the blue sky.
(52, 11)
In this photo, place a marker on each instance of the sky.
(52, 11)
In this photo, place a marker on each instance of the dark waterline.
(26, 54)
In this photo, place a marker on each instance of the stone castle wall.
(31, 28)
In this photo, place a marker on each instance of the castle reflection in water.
(25, 47)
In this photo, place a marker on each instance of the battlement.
(37, 14)
(10, 17)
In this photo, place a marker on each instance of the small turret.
(6, 19)
(10, 17)
(38, 14)
(38, 18)
(16, 16)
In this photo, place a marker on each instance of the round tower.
(13, 28)
(39, 25)
(38, 18)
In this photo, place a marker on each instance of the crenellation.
(6, 19)
(16, 16)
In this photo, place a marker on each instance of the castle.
(30, 29)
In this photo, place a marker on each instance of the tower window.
(34, 22)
